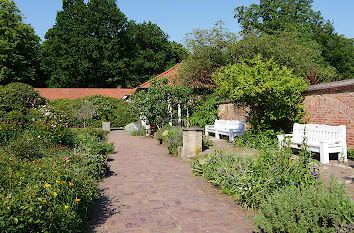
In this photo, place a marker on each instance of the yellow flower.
(66, 206)
(67, 161)
(47, 186)
(71, 184)
(77, 200)
(55, 194)
(58, 181)
(44, 201)
(63, 182)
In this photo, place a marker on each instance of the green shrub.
(206, 143)
(54, 193)
(19, 96)
(26, 147)
(251, 179)
(258, 139)
(350, 154)
(92, 110)
(273, 92)
(171, 137)
(306, 209)
(206, 113)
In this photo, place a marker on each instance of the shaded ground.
(150, 191)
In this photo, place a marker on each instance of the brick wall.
(332, 104)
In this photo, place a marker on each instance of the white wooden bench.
(229, 128)
(324, 139)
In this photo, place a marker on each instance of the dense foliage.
(307, 209)
(159, 100)
(270, 16)
(273, 92)
(94, 45)
(19, 47)
(171, 137)
(210, 49)
(251, 179)
(48, 170)
(292, 49)
(92, 110)
(205, 112)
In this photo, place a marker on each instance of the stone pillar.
(106, 126)
(192, 143)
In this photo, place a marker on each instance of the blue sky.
(177, 18)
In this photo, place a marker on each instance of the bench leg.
(324, 155)
(231, 136)
(217, 135)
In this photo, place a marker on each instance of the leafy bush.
(258, 139)
(90, 111)
(306, 209)
(251, 179)
(206, 143)
(154, 104)
(19, 96)
(171, 137)
(54, 193)
(26, 146)
(350, 154)
(273, 92)
(206, 113)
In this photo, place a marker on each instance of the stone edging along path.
(150, 191)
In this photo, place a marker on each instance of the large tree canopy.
(19, 47)
(271, 16)
(84, 48)
(94, 45)
(150, 52)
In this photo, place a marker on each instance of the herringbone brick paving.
(150, 191)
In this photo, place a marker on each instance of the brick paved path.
(150, 191)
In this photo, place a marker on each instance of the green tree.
(270, 16)
(210, 49)
(84, 48)
(273, 92)
(292, 49)
(19, 47)
(94, 45)
(274, 15)
(153, 105)
(150, 52)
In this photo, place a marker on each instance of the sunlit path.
(150, 191)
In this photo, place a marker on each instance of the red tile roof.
(73, 93)
(172, 74)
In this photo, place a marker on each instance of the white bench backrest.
(236, 125)
(317, 133)
(228, 124)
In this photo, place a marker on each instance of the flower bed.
(264, 181)
(54, 193)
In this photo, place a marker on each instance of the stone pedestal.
(192, 143)
(106, 126)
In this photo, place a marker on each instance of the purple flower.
(277, 179)
(292, 182)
